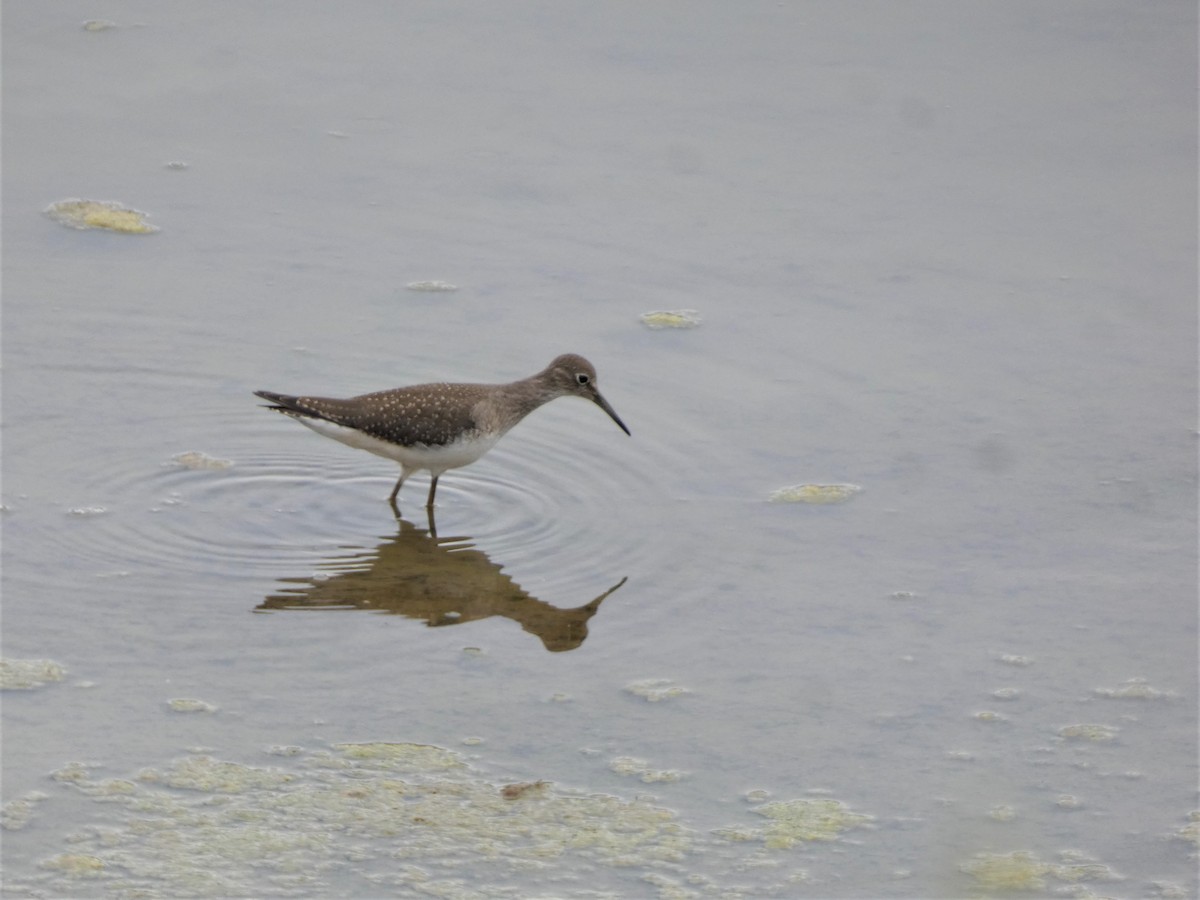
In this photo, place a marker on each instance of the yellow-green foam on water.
(361, 819)
(1133, 689)
(190, 705)
(1089, 732)
(1024, 872)
(671, 318)
(793, 821)
(655, 690)
(412, 756)
(26, 674)
(1191, 831)
(103, 214)
(432, 286)
(198, 460)
(638, 768)
(815, 493)
(1017, 871)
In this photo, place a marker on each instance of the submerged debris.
(104, 214)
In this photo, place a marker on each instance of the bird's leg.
(432, 490)
(396, 490)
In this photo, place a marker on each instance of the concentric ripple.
(556, 504)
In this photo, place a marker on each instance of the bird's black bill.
(603, 404)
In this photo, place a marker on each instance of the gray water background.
(942, 251)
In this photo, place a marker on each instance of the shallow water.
(963, 284)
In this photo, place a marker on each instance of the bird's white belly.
(436, 459)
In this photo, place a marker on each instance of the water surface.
(943, 253)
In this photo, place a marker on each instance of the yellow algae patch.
(1095, 733)
(98, 25)
(1017, 871)
(1025, 872)
(793, 821)
(195, 459)
(1191, 831)
(1012, 659)
(379, 826)
(431, 286)
(416, 756)
(654, 690)
(639, 768)
(671, 318)
(988, 715)
(103, 214)
(16, 814)
(188, 705)
(203, 773)
(815, 493)
(77, 865)
(1133, 689)
(26, 674)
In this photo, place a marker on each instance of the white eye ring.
(582, 378)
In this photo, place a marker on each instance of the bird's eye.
(582, 378)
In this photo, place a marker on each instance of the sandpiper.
(440, 426)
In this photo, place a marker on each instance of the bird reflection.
(444, 581)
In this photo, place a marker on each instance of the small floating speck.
(431, 286)
(671, 318)
(523, 789)
(1008, 693)
(189, 705)
(98, 25)
(815, 493)
(1068, 801)
(103, 214)
(196, 459)
(176, 165)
